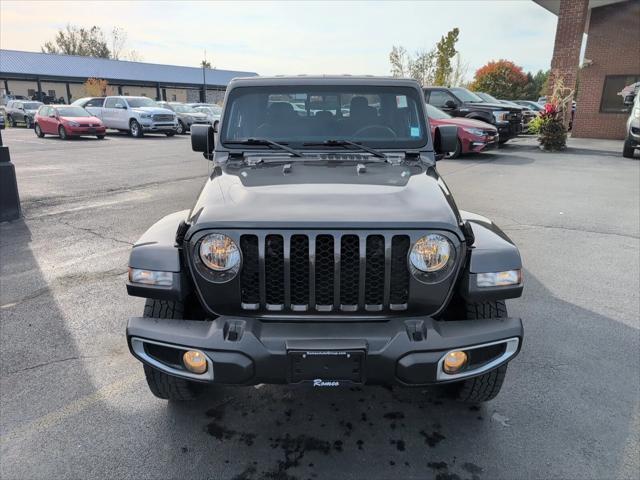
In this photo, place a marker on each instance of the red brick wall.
(569, 32)
(613, 44)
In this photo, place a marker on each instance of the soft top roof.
(368, 80)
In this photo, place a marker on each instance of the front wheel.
(12, 122)
(62, 132)
(169, 134)
(100, 137)
(168, 387)
(27, 122)
(627, 149)
(456, 153)
(180, 129)
(135, 129)
(39, 131)
(487, 386)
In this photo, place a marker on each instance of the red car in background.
(67, 121)
(473, 135)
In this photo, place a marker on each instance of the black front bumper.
(245, 350)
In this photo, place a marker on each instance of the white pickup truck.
(136, 115)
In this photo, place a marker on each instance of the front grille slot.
(274, 271)
(325, 273)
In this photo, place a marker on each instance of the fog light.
(194, 361)
(454, 361)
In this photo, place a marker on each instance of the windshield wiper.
(344, 143)
(266, 141)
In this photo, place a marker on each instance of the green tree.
(74, 40)
(502, 79)
(205, 64)
(445, 51)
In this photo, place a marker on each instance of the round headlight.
(219, 252)
(431, 253)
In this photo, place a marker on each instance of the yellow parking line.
(73, 408)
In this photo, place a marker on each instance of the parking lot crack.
(51, 362)
(97, 234)
(522, 226)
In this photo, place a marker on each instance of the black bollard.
(9, 197)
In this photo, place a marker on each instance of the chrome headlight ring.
(432, 258)
(217, 257)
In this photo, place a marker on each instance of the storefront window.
(615, 89)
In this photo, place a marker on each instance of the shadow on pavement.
(565, 410)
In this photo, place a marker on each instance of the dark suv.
(22, 111)
(460, 102)
(324, 249)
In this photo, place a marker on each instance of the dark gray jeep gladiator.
(324, 249)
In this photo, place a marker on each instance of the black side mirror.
(202, 139)
(628, 99)
(445, 140)
(215, 125)
(450, 104)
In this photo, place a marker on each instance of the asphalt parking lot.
(74, 403)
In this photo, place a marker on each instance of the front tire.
(63, 133)
(135, 129)
(168, 387)
(169, 134)
(181, 129)
(38, 130)
(627, 149)
(456, 153)
(487, 386)
(100, 137)
(12, 122)
(27, 122)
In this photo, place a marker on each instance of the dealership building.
(63, 76)
(611, 61)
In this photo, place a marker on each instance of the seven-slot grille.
(163, 117)
(324, 272)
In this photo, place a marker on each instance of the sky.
(273, 38)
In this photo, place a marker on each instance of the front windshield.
(377, 116)
(532, 106)
(137, 102)
(487, 98)
(465, 95)
(436, 113)
(183, 109)
(32, 105)
(72, 112)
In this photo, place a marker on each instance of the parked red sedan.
(473, 135)
(67, 121)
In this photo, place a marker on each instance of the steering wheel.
(375, 131)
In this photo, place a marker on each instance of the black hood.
(492, 107)
(324, 194)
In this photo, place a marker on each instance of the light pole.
(204, 78)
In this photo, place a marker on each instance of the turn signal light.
(194, 361)
(454, 361)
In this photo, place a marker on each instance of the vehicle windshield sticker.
(415, 131)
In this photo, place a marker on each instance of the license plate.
(326, 368)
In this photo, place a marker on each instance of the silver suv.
(632, 140)
(136, 115)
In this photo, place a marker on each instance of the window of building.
(612, 94)
(173, 98)
(51, 93)
(31, 92)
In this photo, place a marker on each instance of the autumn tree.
(205, 64)
(445, 51)
(419, 66)
(95, 87)
(74, 40)
(501, 78)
